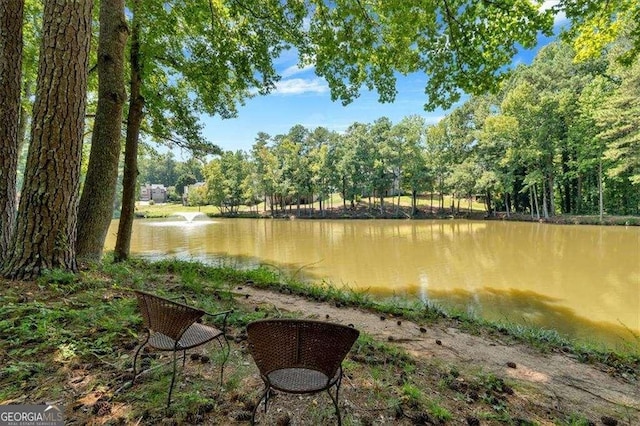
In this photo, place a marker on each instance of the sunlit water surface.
(583, 281)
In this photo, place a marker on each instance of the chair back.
(166, 316)
(297, 343)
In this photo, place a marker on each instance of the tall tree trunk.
(579, 195)
(545, 210)
(344, 195)
(600, 196)
(414, 202)
(11, 12)
(552, 203)
(506, 204)
(96, 204)
(567, 184)
(45, 232)
(487, 203)
(134, 121)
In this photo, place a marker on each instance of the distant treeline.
(559, 138)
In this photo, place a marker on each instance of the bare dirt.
(559, 382)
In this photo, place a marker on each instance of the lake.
(583, 281)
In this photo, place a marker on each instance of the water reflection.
(581, 280)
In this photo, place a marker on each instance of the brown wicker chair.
(299, 356)
(173, 326)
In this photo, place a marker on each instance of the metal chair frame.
(299, 356)
(174, 326)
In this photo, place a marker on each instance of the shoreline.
(363, 212)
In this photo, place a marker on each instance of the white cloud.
(294, 69)
(296, 86)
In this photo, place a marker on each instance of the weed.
(412, 394)
(576, 420)
(438, 411)
(56, 276)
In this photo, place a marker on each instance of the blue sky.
(303, 98)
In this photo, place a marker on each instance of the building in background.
(153, 192)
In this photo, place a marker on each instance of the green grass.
(63, 323)
(168, 209)
(439, 412)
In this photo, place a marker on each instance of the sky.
(301, 97)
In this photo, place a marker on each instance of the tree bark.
(11, 12)
(96, 204)
(134, 121)
(552, 203)
(45, 232)
(414, 207)
(600, 195)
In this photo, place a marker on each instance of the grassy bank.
(364, 210)
(71, 340)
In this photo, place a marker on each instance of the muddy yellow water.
(583, 281)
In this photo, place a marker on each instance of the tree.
(617, 122)
(96, 203)
(415, 176)
(11, 13)
(45, 232)
(183, 181)
(495, 153)
(160, 168)
(596, 24)
(463, 179)
(287, 153)
(264, 168)
(436, 155)
(226, 178)
(134, 121)
(382, 157)
(462, 45)
(297, 159)
(321, 168)
(354, 163)
(589, 147)
(189, 58)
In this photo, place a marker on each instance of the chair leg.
(335, 404)
(173, 378)
(265, 396)
(226, 353)
(135, 358)
(335, 400)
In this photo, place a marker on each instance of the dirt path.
(562, 382)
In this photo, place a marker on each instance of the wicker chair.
(299, 356)
(173, 326)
